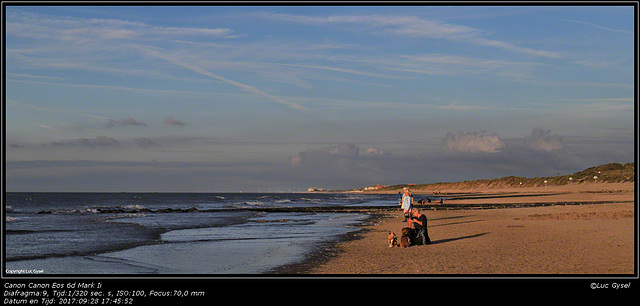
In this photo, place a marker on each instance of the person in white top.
(407, 203)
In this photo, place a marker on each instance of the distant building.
(314, 189)
(376, 187)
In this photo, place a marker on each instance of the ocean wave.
(131, 215)
(311, 200)
(70, 211)
(23, 232)
(254, 203)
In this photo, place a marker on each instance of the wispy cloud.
(336, 69)
(29, 106)
(52, 110)
(405, 25)
(593, 107)
(150, 91)
(444, 64)
(599, 26)
(92, 29)
(52, 129)
(455, 105)
(511, 47)
(31, 76)
(414, 27)
(121, 37)
(80, 44)
(202, 71)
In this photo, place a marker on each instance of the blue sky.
(258, 98)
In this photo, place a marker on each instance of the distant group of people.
(416, 221)
(425, 201)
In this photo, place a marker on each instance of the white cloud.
(376, 152)
(327, 156)
(343, 150)
(100, 141)
(543, 140)
(125, 121)
(473, 142)
(145, 142)
(171, 121)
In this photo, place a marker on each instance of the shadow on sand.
(454, 223)
(451, 217)
(457, 238)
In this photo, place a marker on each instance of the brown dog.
(404, 239)
(393, 240)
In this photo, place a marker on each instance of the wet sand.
(565, 237)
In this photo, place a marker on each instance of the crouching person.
(419, 222)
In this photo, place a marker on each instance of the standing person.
(407, 203)
(419, 222)
(400, 198)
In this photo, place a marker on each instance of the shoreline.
(585, 229)
(324, 252)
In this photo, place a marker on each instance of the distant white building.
(376, 187)
(312, 189)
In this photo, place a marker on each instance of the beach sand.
(574, 239)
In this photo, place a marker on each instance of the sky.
(283, 98)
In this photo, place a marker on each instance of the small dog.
(393, 240)
(405, 241)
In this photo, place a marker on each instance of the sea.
(174, 233)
